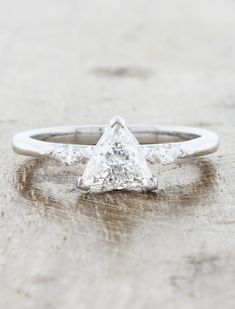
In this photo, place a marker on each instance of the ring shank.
(195, 141)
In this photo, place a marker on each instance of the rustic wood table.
(81, 62)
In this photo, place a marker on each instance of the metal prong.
(80, 185)
(117, 120)
(153, 185)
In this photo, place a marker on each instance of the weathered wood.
(68, 62)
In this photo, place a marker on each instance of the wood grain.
(76, 62)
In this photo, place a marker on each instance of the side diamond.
(165, 154)
(70, 154)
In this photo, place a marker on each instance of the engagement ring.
(122, 157)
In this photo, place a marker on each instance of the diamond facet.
(117, 163)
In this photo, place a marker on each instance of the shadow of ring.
(185, 195)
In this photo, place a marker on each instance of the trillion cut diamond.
(117, 163)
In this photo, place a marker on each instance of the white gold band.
(37, 142)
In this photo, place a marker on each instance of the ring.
(122, 157)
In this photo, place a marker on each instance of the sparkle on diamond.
(117, 163)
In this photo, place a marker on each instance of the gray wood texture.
(77, 62)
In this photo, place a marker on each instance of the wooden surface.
(76, 62)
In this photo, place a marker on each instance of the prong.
(153, 185)
(80, 185)
(117, 120)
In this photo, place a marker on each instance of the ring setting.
(123, 155)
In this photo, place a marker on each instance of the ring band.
(196, 142)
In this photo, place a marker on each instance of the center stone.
(117, 163)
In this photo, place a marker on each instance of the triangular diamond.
(117, 163)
